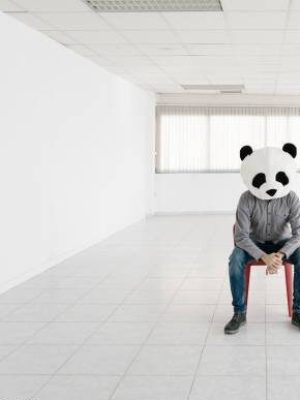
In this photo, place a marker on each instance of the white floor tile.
(36, 359)
(35, 312)
(153, 388)
(126, 333)
(57, 296)
(78, 388)
(229, 387)
(137, 313)
(202, 284)
(100, 360)
(188, 313)
(196, 297)
(276, 297)
(105, 295)
(166, 284)
(284, 387)
(21, 387)
(166, 360)
(174, 333)
(64, 333)
(233, 360)
(149, 296)
(7, 309)
(5, 350)
(282, 333)
(62, 282)
(87, 313)
(18, 332)
(283, 359)
(19, 295)
(277, 312)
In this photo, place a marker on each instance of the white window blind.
(196, 139)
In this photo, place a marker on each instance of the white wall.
(200, 193)
(74, 152)
(203, 192)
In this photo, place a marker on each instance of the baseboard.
(166, 213)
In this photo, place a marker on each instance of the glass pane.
(294, 134)
(277, 128)
(195, 139)
(183, 143)
(228, 133)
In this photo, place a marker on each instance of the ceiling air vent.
(153, 5)
(223, 89)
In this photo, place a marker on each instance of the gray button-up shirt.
(267, 220)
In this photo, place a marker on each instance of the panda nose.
(271, 192)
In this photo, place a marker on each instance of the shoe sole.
(236, 331)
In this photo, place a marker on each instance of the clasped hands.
(273, 262)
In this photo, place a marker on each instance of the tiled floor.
(141, 317)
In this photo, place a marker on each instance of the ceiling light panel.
(153, 5)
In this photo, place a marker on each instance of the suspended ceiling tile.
(255, 5)
(204, 37)
(8, 6)
(52, 5)
(132, 21)
(150, 36)
(75, 21)
(196, 20)
(257, 20)
(97, 37)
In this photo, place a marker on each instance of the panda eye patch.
(259, 180)
(282, 178)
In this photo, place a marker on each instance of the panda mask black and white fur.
(269, 172)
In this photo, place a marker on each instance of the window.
(195, 139)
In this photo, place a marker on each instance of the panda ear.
(245, 151)
(290, 148)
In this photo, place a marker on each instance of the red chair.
(288, 280)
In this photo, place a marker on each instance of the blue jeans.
(237, 262)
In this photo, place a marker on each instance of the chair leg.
(247, 282)
(289, 286)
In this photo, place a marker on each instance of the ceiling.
(255, 43)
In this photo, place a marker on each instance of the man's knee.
(237, 260)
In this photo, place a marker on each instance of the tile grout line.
(266, 352)
(22, 344)
(182, 279)
(25, 343)
(88, 337)
(151, 330)
(205, 342)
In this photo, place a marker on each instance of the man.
(267, 224)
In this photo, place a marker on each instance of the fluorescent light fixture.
(224, 89)
(153, 5)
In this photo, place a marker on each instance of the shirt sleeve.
(294, 219)
(242, 230)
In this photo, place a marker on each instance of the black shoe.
(234, 324)
(296, 319)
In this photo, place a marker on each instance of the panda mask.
(269, 172)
